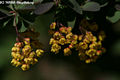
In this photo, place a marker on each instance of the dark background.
(52, 67)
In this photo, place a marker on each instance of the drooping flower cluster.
(88, 46)
(24, 55)
(63, 37)
(89, 26)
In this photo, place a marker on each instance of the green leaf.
(104, 4)
(27, 21)
(11, 7)
(24, 7)
(91, 6)
(6, 22)
(71, 23)
(15, 21)
(76, 7)
(115, 18)
(23, 28)
(5, 12)
(36, 1)
(43, 8)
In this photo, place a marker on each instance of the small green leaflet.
(114, 18)
(23, 28)
(71, 23)
(15, 22)
(6, 22)
(5, 11)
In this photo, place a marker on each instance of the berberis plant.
(83, 38)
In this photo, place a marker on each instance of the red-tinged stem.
(17, 32)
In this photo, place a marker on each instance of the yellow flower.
(55, 48)
(18, 56)
(102, 35)
(32, 54)
(53, 25)
(62, 41)
(99, 45)
(83, 45)
(28, 60)
(80, 37)
(13, 54)
(94, 39)
(71, 46)
(91, 52)
(27, 49)
(15, 62)
(27, 46)
(63, 30)
(39, 52)
(27, 40)
(100, 38)
(88, 61)
(86, 40)
(15, 49)
(24, 55)
(18, 44)
(57, 35)
(35, 60)
(98, 52)
(93, 45)
(69, 29)
(67, 51)
(69, 36)
(18, 64)
(53, 41)
(89, 36)
(75, 37)
(25, 67)
(74, 42)
(68, 41)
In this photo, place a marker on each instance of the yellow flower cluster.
(24, 55)
(88, 46)
(89, 26)
(63, 37)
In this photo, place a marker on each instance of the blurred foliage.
(105, 13)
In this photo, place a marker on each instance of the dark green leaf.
(23, 28)
(36, 1)
(76, 7)
(91, 6)
(5, 12)
(71, 24)
(6, 22)
(42, 8)
(115, 18)
(24, 7)
(15, 22)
